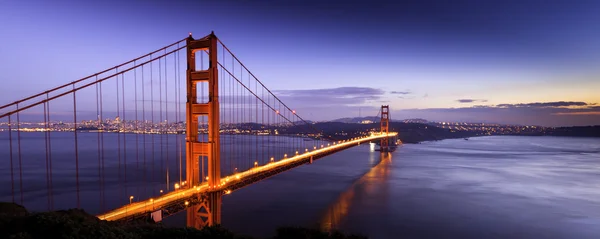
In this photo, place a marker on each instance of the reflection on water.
(486, 187)
(371, 181)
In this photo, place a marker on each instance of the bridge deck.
(178, 200)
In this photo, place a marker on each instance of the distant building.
(366, 122)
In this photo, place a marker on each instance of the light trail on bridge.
(153, 204)
(133, 155)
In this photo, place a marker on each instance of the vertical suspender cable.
(50, 154)
(232, 162)
(145, 130)
(123, 126)
(20, 156)
(137, 132)
(177, 94)
(153, 152)
(102, 188)
(12, 174)
(121, 195)
(160, 92)
(76, 146)
(167, 115)
(262, 122)
(257, 125)
(98, 141)
(47, 163)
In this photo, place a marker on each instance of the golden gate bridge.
(225, 132)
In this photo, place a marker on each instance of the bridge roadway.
(185, 196)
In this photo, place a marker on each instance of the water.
(132, 164)
(486, 187)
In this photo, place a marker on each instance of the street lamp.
(161, 191)
(130, 199)
(176, 186)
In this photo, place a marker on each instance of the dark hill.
(16, 222)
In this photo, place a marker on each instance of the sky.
(528, 62)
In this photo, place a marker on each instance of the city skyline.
(530, 63)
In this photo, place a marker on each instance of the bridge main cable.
(80, 87)
(260, 82)
(85, 78)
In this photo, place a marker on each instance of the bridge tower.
(385, 124)
(208, 212)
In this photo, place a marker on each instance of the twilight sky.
(517, 62)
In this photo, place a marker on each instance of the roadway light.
(272, 159)
(285, 155)
(255, 163)
(161, 191)
(207, 178)
(130, 199)
(187, 203)
(296, 152)
(176, 186)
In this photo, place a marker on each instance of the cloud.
(578, 113)
(407, 92)
(337, 92)
(470, 100)
(406, 97)
(341, 96)
(546, 104)
(558, 113)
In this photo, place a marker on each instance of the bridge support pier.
(199, 150)
(203, 214)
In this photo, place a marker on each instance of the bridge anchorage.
(234, 128)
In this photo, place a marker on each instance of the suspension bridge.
(127, 143)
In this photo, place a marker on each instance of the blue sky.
(439, 60)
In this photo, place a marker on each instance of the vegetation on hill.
(16, 222)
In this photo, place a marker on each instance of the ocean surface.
(484, 187)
